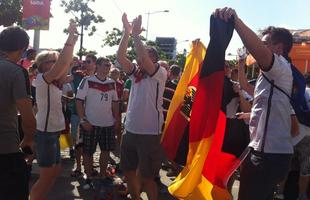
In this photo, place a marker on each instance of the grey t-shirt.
(14, 85)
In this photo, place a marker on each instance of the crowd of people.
(52, 91)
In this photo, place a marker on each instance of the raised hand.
(136, 26)
(73, 34)
(225, 13)
(127, 26)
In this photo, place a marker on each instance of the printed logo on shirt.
(101, 87)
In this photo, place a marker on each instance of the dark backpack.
(297, 97)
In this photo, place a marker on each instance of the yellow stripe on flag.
(191, 68)
(190, 176)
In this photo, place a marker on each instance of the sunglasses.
(87, 61)
(50, 61)
(106, 65)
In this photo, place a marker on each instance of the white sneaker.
(279, 196)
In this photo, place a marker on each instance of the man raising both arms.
(141, 152)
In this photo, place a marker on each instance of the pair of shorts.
(302, 149)
(14, 178)
(141, 152)
(47, 148)
(105, 136)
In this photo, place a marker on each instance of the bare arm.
(142, 55)
(24, 107)
(243, 79)
(115, 111)
(244, 104)
(122, 48)
(294, 126)
(81, 113)
(66, 79)
(116, 115)
(80, 108)
(250, 40)
(62, 64)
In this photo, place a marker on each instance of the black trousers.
(14, 178)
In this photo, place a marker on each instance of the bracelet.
(68, 44)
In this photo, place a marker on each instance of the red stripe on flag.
(174, 134)
(206, 106)
(218, 165)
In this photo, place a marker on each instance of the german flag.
(208, 167)
(176, 130)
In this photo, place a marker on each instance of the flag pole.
(36, 40)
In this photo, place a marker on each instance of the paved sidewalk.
(67, 188)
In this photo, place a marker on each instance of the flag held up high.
(208, 167)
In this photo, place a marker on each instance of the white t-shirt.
(98, 96)
(145, 112)
(278, 136)
(50, 117)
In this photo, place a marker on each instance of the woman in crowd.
(53, 68)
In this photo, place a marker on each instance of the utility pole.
(36, 40)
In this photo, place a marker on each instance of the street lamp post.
(148, 19)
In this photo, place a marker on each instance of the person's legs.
(303, 149)
(260, 173)
(133, 184)
(150, 158)
(303, 185)
(107, 143)
(150, 187)
(78, 157)
(129, 163)
(89, 147)
(103, 161)
(45, 182)
(48, 157)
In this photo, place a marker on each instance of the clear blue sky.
(186, 20)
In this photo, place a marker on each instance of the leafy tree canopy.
(10, 12)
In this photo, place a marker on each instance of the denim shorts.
(47, 148)
(75, 122)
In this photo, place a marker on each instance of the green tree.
(180, 60)
(84, 52)
(10, 12)
(113, 39)
(84, 16)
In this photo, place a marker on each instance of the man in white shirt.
(97, 107)
(270, 124)
(141, 152)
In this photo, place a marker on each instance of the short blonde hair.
(45, 56)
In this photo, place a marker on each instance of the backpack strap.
(272, 83)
